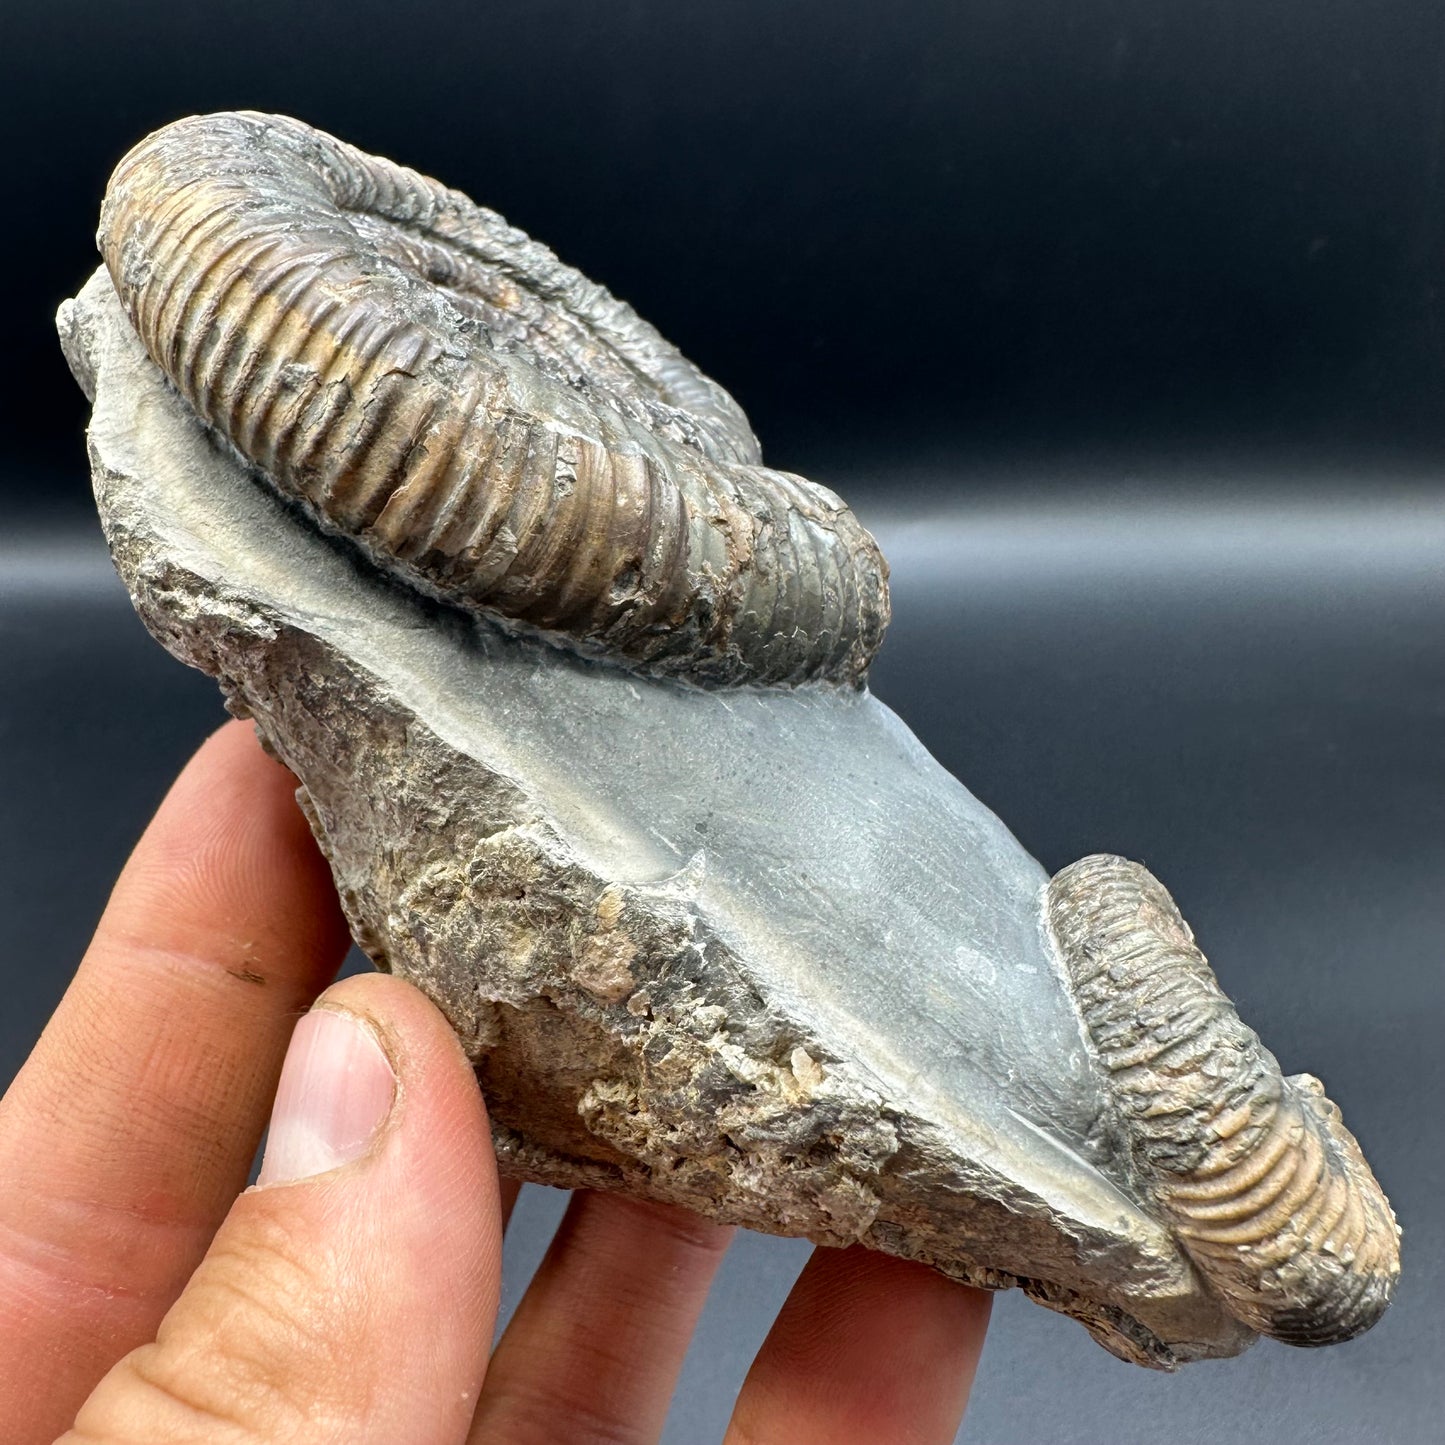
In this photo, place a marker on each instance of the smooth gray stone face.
(752, 950)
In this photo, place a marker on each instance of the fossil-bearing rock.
(574, 689)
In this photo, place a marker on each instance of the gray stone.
(750, 950)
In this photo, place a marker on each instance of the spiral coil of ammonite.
(482, 420)
(1264, 1186)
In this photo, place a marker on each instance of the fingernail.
(336, 1089)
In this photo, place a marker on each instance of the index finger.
(131, 1128)
(866, 1348)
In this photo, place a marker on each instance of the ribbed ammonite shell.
(480, 418)
(1265, 1187)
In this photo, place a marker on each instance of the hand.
(351, 1295)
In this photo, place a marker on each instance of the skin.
(147, 1296)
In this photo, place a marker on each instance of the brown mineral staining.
(1264, 1186)
(603, 964)
(609, 907)
(806, 1069)
(481, 419)
(604, 967)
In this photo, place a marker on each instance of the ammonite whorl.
(1264, 1186)
(480, 418)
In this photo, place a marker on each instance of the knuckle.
(741, 1432)
(280, 1314)
(258, 1348)
(675, 1229)
(144, 1400)
(529, 1416)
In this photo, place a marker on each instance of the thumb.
(350, 1295)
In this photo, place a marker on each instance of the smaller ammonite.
(1264, 1186)
(481, 419)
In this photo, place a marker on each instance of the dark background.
(1120, 322)
(965, 228)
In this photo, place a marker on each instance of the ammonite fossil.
(1264, 1185)
(708, 935)
(481, 418)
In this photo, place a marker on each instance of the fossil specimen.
(1263, 1184)
(480, 417)
(574, 688)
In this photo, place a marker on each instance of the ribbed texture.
(482, 420)
(1265, 1187)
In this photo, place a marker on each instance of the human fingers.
(130, 1130)
(592, 1354)
(351, 1295)
(866, 1348)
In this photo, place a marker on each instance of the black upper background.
(967, 232)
